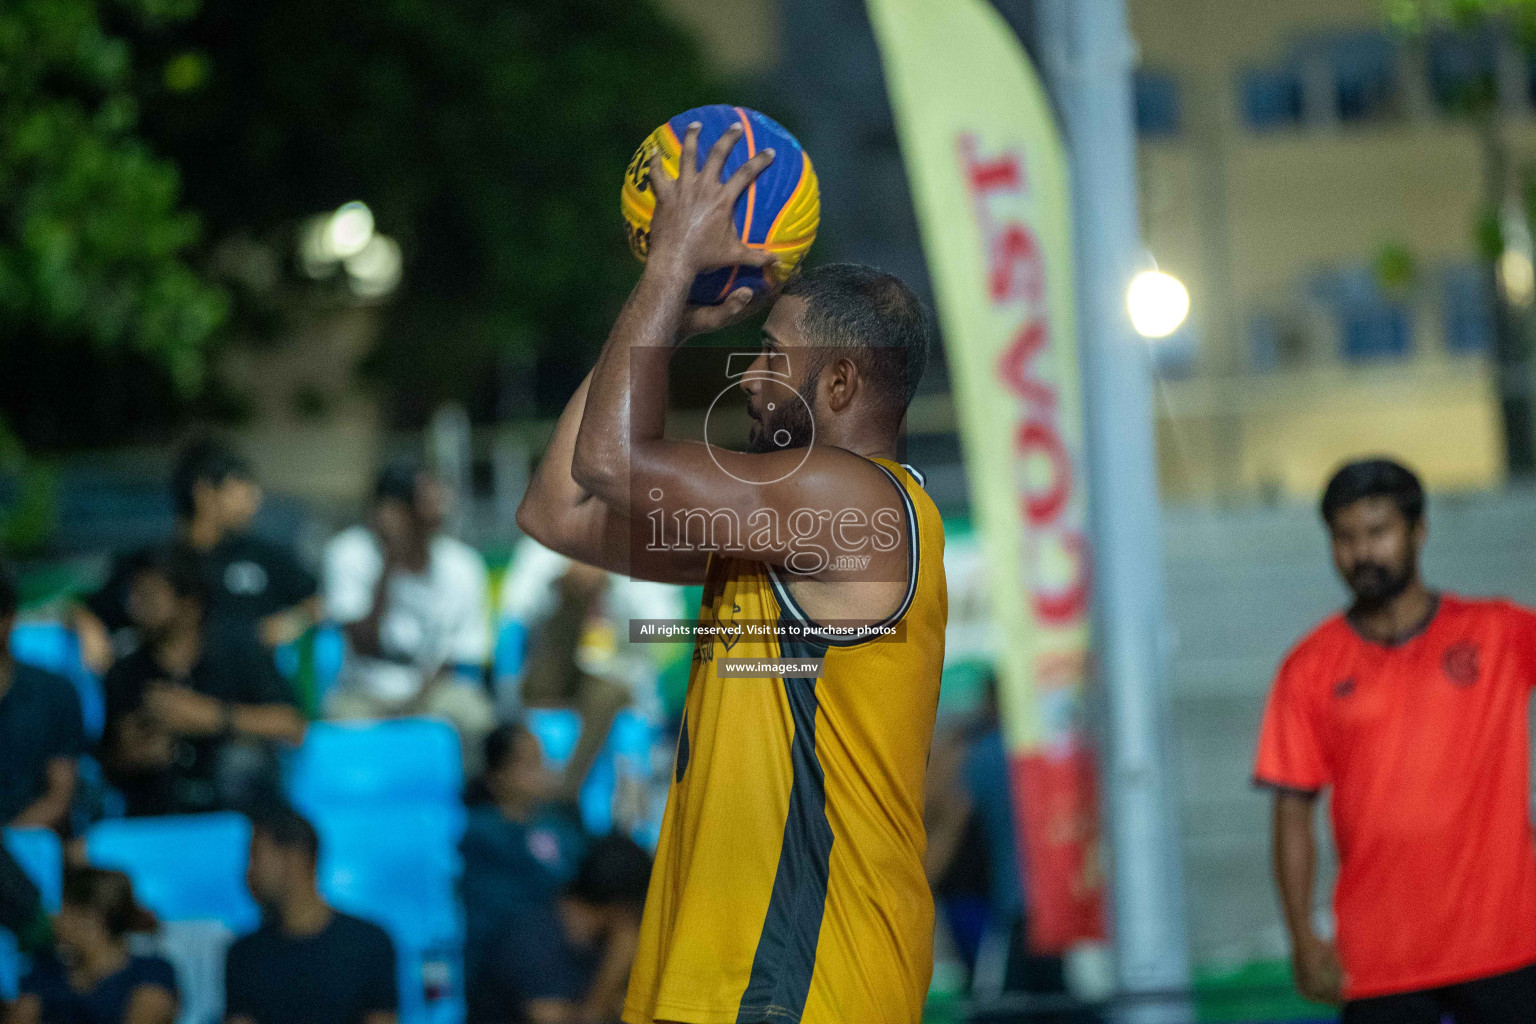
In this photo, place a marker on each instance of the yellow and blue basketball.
(779, 211)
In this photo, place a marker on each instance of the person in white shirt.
(579, 652)
(413, 604)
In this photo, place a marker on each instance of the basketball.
(779, 211)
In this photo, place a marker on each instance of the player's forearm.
(1295, 856)
(268, 722)
(51, 809)
(627, 404)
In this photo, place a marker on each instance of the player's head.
(416, 490)
(98, 910)
(213, 483)
(515, 774)
(610, 884)
(851, 342)
(285, 848)
(166, 591)
(1374, 509)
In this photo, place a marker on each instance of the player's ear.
(842, 383)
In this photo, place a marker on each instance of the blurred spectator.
(531, 592)
(307, 963)
(41, 733)
(519, 847)
(190, 717)
(1004, 962)
(21, 906)
(256, 589)
(413, 602)
(567, 960)
(93, 978)
(580, 654)
(956, 860)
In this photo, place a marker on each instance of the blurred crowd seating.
(385, 796)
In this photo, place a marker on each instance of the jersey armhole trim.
(1259, 782)
(781, 592)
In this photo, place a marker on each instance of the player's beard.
(793, 417)
(1375, 585)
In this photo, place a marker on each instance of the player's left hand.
(739, 305)
(183, 711)
(692, 229)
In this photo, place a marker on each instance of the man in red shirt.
(1412, 707)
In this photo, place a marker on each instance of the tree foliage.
(93, 241)
(488, 137)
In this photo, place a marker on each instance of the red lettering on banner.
(1067, 605)
(1016, 271)
(1036, 436)
(986, 175)
(1013, 367)
(1016, 275)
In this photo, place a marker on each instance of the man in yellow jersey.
(789, 881)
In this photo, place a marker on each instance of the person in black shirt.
(93, 978)
(567, 959)
(41, 733)
(257, 589)
(189, 717)
(307, 963)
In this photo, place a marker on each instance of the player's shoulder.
(1493, 611)
(1319, 646)
(353, 543)
(457, 557)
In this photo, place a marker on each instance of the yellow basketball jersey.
(789, 881)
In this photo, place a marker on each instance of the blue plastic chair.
(53, 647)
(328, 651)
(400, 760)
(511, 651)
(41, 856)
(184, 868)
(557, 730)
(398, 865)
(627, 754)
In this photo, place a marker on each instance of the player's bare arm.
(1316, 962)
(623, 457)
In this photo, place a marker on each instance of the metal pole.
(1088, 54)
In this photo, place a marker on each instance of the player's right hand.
(1319, 974)
(692, 225)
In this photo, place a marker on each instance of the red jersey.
(1425, 745)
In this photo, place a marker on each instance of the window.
(1363, 69)
(1464, 308)
(1272, 98)
(1372, 324)
(1157, 104)
(1354, 76)
(1375, 329)
(1463, 69)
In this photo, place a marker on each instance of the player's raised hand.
(692, 229)
(740, 304)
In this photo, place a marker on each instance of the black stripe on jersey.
(786, 949)
(787, 602)
(682, 750)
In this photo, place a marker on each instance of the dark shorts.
(1499, 999)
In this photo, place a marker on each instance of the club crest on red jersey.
(1460, 663)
